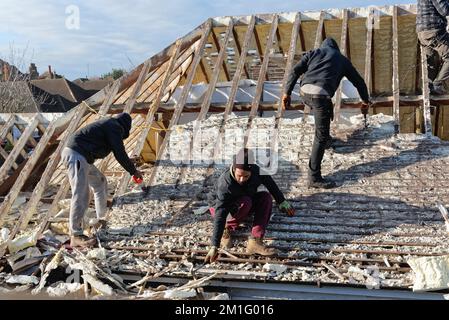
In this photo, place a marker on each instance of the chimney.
(49, 72)
(5, 72)
(33, 71)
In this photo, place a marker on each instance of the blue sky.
(119, 34)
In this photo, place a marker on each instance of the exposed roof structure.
(390, 175)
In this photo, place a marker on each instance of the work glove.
(138, 177)
(286, 207)
(212, 255)
(286, 101)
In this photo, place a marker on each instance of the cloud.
(112, 33)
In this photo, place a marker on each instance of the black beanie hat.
(244, 160)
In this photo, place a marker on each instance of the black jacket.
(432, 15)
(325, 67)
(98, 139)
(228, 191)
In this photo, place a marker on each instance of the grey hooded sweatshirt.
(325, 67)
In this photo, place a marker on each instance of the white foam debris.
(221, 296)
(276, 268)
(180, 294)
(22, 242)
(4, 235)
(98, 286)
(21, 279)
(63, 289)
(431, 273)
(97, 254)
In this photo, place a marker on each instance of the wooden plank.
(138, 85)
(110, 98)
(274, 142)
(395, 86)
(369, 51)
(7, 127)
(333, 270)
(290, 59)
(183, 98)
(5, 156)
(343, 46)
(31, 139)
(426, 94)
(150, 81)
(10, 138)
(15, 190)
(31, 206)
(17, 149)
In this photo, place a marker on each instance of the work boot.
(226, 239)
(256, 246)
(82, 241)
(321, 183)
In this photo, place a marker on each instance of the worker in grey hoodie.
(94, 141)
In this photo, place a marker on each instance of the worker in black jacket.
(94, 141)
(323, 69)
(431, 24)
(238, 197)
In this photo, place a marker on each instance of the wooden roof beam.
(395, 83)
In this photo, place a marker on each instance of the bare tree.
(16, 92)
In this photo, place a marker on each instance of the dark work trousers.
(323, 112)
(436, 47)
(260, 204)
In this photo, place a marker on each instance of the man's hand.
(286, 101)
(286, 207)
(365, 106)
(212, 255)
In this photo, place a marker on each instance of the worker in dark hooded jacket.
(94, 141)
(323, 69)
(238, 198)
